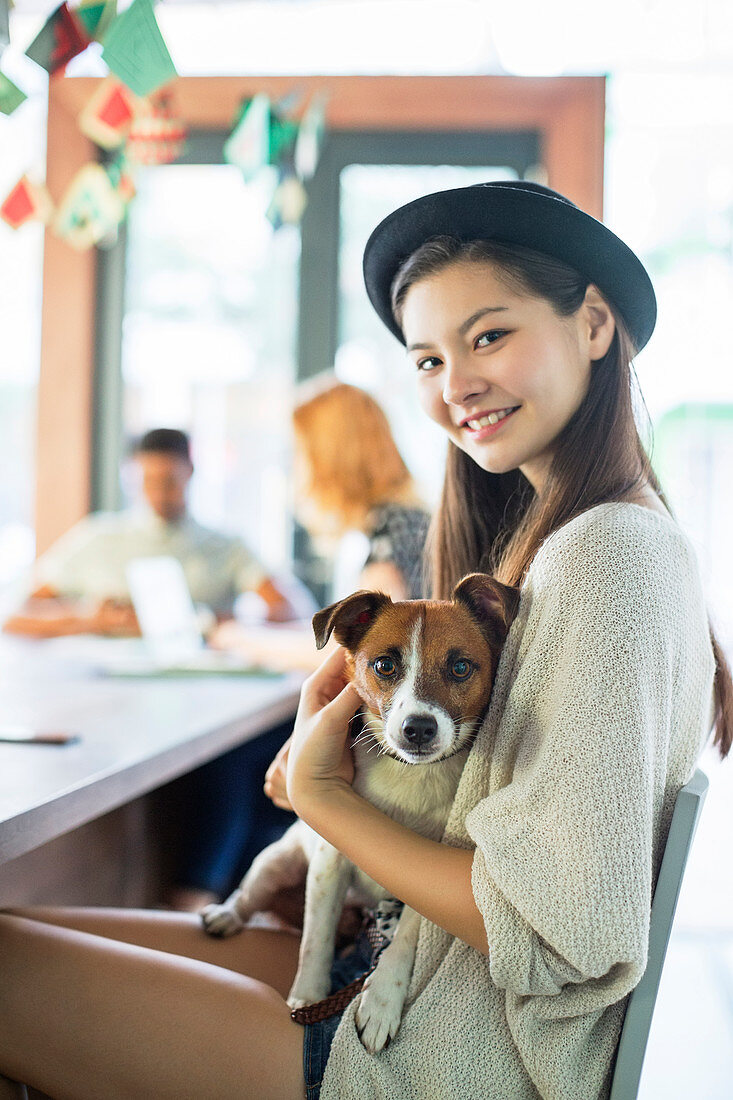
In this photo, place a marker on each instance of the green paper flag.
(135, 51)
(10, 95)
(283, 132)
(95, 16)
(91, 209)
(310, 137)
(248, 145)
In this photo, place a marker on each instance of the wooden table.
(75, 820)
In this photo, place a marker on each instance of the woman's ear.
(600, 323)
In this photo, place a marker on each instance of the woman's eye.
(428, 364)
(490, 337)
(461, 669)
(385, 666)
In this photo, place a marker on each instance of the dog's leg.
(280, 865)
(382, 999)
(328, 879)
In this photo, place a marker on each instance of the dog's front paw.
(379, 1012)
(309, 993)
(221, 920)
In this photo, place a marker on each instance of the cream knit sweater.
(600, 707)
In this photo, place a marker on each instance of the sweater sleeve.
(564, 857)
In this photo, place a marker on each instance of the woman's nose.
(461, 382)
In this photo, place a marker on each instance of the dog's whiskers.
(465, 718)
(363, 739)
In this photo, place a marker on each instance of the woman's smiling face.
(498, 369)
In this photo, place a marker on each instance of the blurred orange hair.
(351, 458)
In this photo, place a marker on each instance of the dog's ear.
(348, 619)
(493, 604)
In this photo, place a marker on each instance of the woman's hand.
(276, 778)
(319, 757)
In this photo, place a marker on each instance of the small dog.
(424, 670)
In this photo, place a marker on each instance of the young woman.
(536, 904)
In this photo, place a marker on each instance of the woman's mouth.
(482, 426)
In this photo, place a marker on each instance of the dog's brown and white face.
(424, 668)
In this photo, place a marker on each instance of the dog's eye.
(385, 666)
(461, 669)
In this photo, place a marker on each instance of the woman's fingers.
(320, 751)
(319, 746)
(344, 706)
(275, 778)
(326, 682)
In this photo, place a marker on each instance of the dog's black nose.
(419, 729)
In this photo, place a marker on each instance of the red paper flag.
(26, 202)
(109, 114)
(61, 38)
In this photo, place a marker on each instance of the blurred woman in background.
(350, 476)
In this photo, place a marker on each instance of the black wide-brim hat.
(515, 213)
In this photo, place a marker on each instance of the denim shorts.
(349, 965)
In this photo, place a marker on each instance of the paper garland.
(120, 117)
(133, 46)
(147, 133)
(90, 211)
(265, 136)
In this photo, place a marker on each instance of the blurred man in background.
(80, 583)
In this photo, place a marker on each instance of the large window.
(218, 307)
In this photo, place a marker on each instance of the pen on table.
(22, 735)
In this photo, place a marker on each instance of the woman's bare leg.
(269, 956)
(83, 1016)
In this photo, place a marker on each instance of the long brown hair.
(496, 522)
(351, 458)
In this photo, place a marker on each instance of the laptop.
(172, 642)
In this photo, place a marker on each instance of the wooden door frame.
(567, 112)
